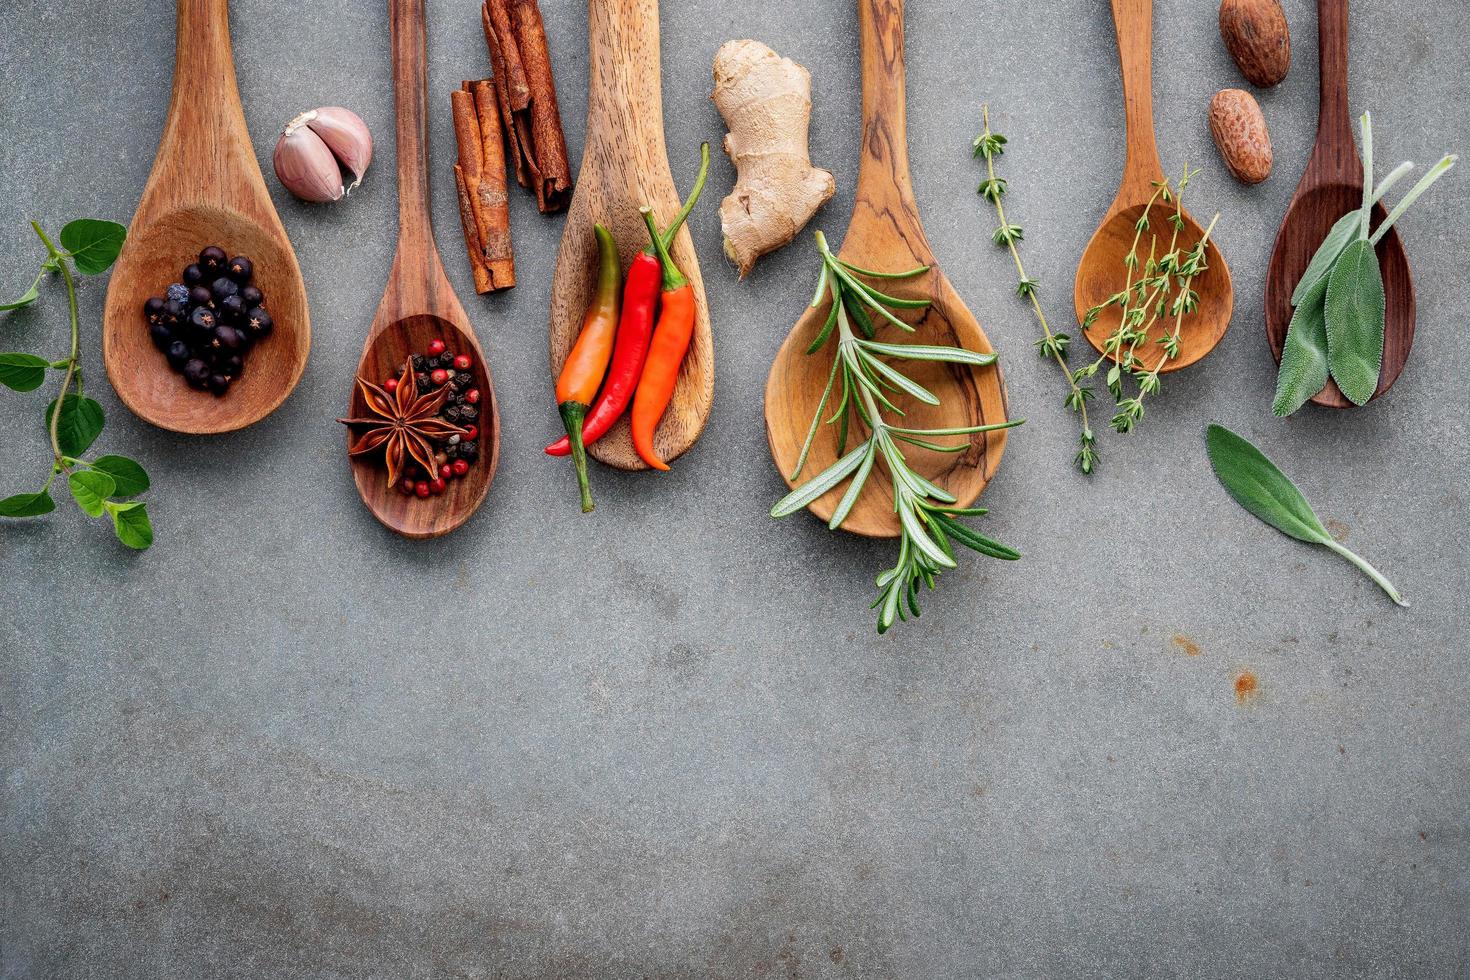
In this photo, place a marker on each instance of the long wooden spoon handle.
(206, 126)
(1133, 20)
(1332, 48)
(410, 85)
(885, 155)
(624, 90)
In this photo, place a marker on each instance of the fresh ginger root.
(766, 101)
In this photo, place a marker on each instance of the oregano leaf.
(26, 298)
(81, 424)
(130, 522)
(22, 372)
(94, 245)
(1355, 314)
(27, 504)
(130, 478)
(91, 489)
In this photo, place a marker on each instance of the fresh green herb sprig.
(929, 519)
(102, 485)
(1261, 488)
(1336, 327)
(1053, 344)
(1158, 293)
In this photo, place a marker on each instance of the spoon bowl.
(1099, 276)
(383, 358)
(418, 306)
(885, 234)
(205, 189)
(1332, 186)
(1101, 272)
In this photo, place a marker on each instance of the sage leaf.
(1355, 312)
(22, 372)
(94, 245)
(131, 524)
(91, 490)
(1327, 255)
(1304, 356)
(129, 478)
(27, 505)
(81, 424)
(1261, 488)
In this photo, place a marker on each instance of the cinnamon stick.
(479, 178)
(526, 92)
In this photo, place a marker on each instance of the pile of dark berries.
(206, 324)
(438, 368)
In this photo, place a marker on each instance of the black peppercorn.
(469, 412)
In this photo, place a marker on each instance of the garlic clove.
(306, 165)
(346, 135)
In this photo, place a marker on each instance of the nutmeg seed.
(316, 146)
(1239, 129)
(1257, 36)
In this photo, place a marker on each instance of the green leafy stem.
(928, 515)
(103, 485)
(1053, 344)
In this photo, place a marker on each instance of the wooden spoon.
(885, 234)
(1331, 187)
(205, 189)
(625, 165)
(418, 306)
(1101, 273)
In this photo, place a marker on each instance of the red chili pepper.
(635, 331)
(670, 343)
(640, 296)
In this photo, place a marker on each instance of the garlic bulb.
(316, 147)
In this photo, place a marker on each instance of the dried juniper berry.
(200, 296)
(178, 292)
(219, 383)
(162, 335)
(193, 275)
(153, 309)
(231, 309)
(252, 296)
(224, 286)
(178, 355)
(240, 269)
(212, 259)
(258, 322)
(196, 373)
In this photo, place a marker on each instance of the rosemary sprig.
(1161, 291)
(928, 515)
(1053, 345)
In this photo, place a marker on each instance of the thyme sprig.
(928, 515)
(1160, 292)
(1053, 344)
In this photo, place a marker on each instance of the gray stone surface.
(663, 741)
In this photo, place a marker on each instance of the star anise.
(406, 423)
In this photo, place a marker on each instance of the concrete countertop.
(664, 740)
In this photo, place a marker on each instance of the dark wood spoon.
(205, 189)
(1100, 272)
(1331, 187)
(885, 234)
(418, 306)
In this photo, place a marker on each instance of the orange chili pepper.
(586, 365)
(666, 353)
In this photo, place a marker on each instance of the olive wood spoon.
(1331, 187)
(624, 166)
(205, 189)
(1100, 273)
(885, 234)
(418, 306)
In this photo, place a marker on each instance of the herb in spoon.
(927, 513)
